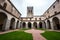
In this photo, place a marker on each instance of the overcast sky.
(40, 6)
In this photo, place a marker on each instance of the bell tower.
(29, 11)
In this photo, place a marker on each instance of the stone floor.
(36, 34)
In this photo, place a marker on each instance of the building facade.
(9, 16)
(49, 20)
(52, 16)
(31, 21)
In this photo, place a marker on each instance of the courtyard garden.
(17, 35)
(51, 35)
(21, 35)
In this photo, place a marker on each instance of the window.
(28, 10)
(30, 18)
(57, 0)
(54, 6)
(48, 16)
(55, 12)
(47, 11)
(5, 4)
(39, 18)
(31, 11)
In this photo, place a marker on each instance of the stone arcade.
(10, 17)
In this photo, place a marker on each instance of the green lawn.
(51, 35)
(40, 29)
(17, 35)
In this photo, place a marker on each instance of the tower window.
(31, 11)
(28, 10)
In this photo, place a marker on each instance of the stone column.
(14, 27)
(27, 25)
(18, 25)
(43, 25)
(46, 25)
(32, 25)
(21, 25)
(6, 25)
(52, 25)
(37, 24)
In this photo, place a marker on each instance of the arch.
(17, 24)
(48, 24)
(56, 23)
(12, 24)
(24, 24)
(29, 24)
(3, 19)
(40, 24)
(35, 25)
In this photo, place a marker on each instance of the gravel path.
(36, 34)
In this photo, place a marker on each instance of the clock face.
(1, 1)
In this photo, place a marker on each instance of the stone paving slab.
(36, 34)
(8, 31)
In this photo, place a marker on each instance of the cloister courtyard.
(13, 26)
(30, 34)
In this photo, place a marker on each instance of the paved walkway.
(8, 31)
(36, 34)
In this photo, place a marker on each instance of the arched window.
(5, 4)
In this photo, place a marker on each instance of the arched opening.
(29, 25)
(3, 18)
(56, 23)
(35, 25)
(12, 24)
(48, 24)
(17, 24)
(40, 24)
(24, 25)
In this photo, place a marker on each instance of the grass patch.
(51, 35)
(24, 29)
(17, 35)
(40, 29)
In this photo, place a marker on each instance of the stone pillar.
(52, 25)
(37, 24)
(27, 25)
(46, 25)
(18, 25)
(6, 25)
(43, 25)
(32, 25)
(21, 25)
(14, 27)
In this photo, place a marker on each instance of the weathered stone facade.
(9, 16)
(49, 20)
